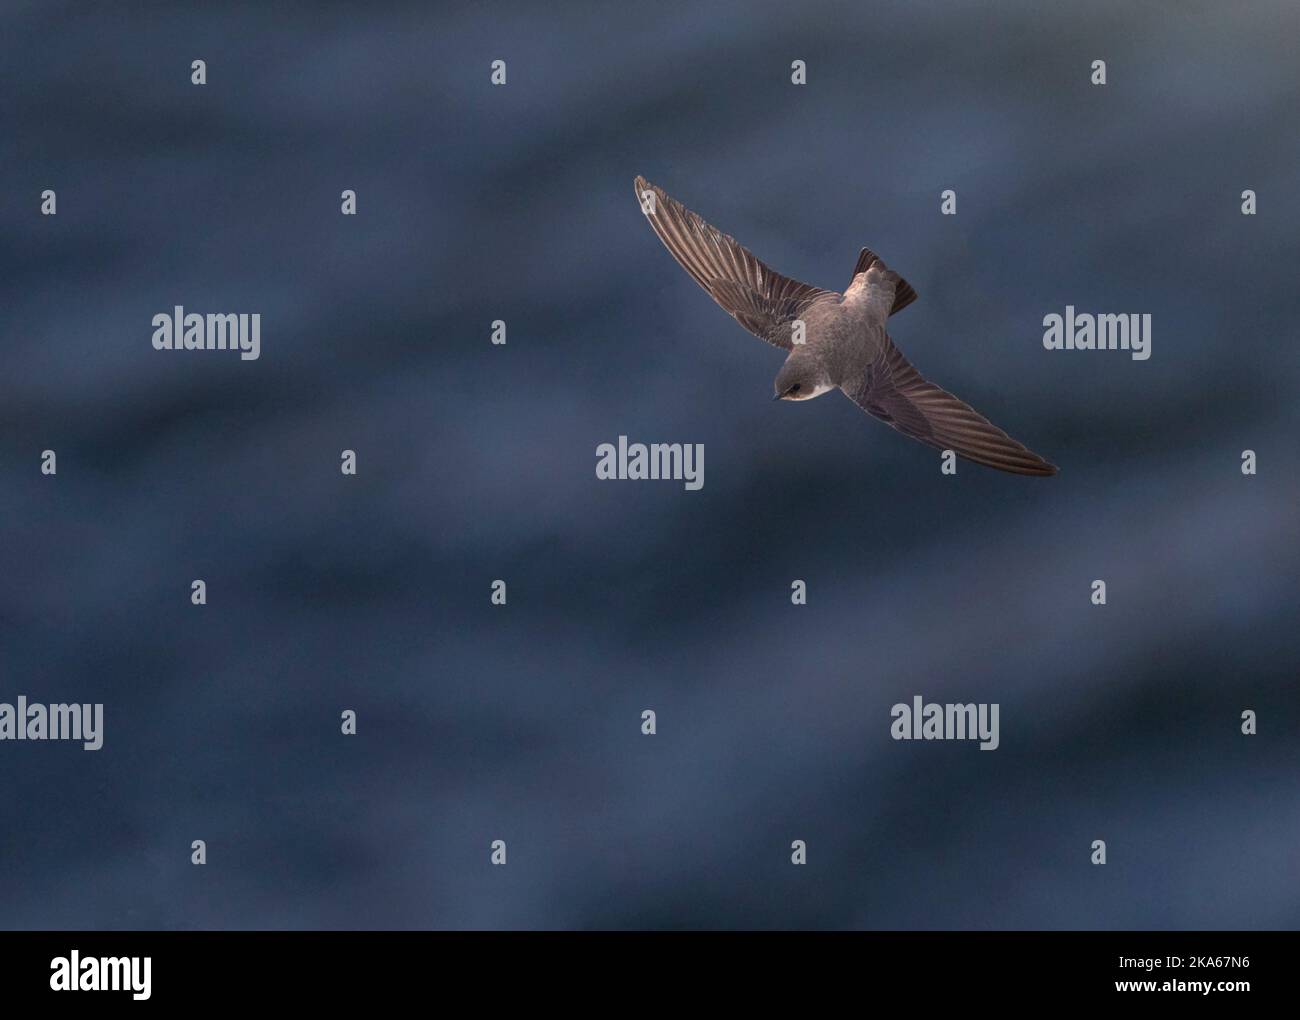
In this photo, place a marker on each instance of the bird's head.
(800, 379)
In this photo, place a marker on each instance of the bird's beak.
(778, 396)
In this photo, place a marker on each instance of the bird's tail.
(904, 295)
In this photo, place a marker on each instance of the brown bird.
(834, 340)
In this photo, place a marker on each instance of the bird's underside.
(767, 304)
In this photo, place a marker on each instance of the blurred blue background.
(477, 462)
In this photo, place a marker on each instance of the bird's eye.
(794, 388)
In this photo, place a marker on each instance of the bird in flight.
(834, 340)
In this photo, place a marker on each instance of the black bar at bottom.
(342, 969)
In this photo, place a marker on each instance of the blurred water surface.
(477, 462)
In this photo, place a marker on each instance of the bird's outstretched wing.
(895, 392)
(760, 299)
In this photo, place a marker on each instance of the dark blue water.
(476, 462)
